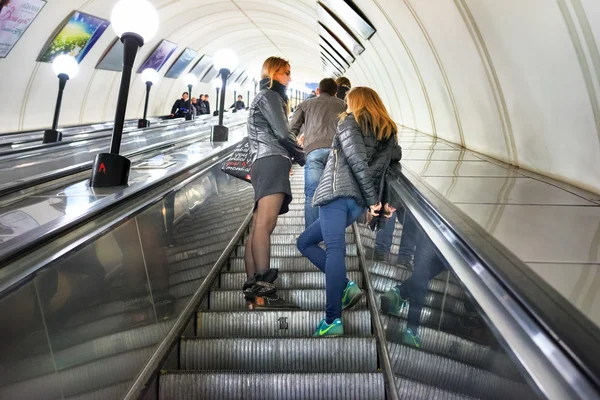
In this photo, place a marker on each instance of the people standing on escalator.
(180, 108)
(203, 105)
(318, 117)
(354, 179)
(207, 103)
(195, 106)
(274, 149)
(344, 86)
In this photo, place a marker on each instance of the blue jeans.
(313, 169)
(385, 235)
(331, 226)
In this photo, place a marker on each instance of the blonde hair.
(343, 81)
(271, 66)
(370, 113)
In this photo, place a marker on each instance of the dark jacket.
(356, 166)
(319, 116)
(341, 92)
(268, 129)
(180, 108)
(203, 108)
(207, 106)
(238, 105)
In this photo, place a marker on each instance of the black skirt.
(271, 175)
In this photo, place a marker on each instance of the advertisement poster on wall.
(159, 56)
(15, 18)
(76, 37)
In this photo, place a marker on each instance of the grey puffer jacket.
(268, 129)
(356, 166)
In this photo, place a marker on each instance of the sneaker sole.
(353, 301)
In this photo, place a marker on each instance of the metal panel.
(340, 31)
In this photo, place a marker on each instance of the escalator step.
(275, 323)
(455, 347)
(452, 375)
(275, 386)
(287, 280)
(289, 229)
(291, 239)
(341, 354)
(409, 389)
(306, 299)
(281, 250)
(292, 264)
(383, 284)
(400, 272)
(429, 317)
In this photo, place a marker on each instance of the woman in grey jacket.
(363, 148)
(274, 148)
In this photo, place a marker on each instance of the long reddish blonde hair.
(271, 66)
(370, 113)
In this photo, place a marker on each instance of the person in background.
(274, 149)
(207, 103)
(354, 179)
(195, 106)
(239, 104)
(343, 86)
(312, 94)
(202, 105)
(318, 117)
(180, 108)
(385, 236)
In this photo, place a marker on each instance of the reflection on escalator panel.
(84, 326)
(439, 345)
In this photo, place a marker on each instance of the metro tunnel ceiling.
(517, 80)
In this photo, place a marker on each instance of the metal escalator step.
(341, 354)
(291, 239)
(287, 280)
(429, 317)
(237, 324)
(284, 250)
(292, 264)
(283, 228)
(409, 389)
(456, 348)
(287, 221)
(200, 250)
(306, 299)
(383, 284)
(399, 272)
(452, 375)
(276, 386)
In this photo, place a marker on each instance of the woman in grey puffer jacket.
(363, 148)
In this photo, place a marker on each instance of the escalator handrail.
(384, 356)
(148, 374)
(21, 262)
(74, 169)
(554, 368)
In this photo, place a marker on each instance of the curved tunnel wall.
(518, 80)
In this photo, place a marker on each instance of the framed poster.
(200, 68)
(112, 59)
(159, 56)
(15, 18)
(75, 37)
(181, 64)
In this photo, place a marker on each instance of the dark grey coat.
(268, 129)
(356, 166)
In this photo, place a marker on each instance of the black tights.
(258, 247)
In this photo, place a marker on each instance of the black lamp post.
(134, 21)
(217, 85)
(64, 67)
(190, 79)
(149, 77)
(225, 62)
(248, 98)
(235, 88)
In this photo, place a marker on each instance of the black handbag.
(239, 163)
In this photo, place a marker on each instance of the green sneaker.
(392, 302)
(335, 329)
(410, 339)
(352, 295)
